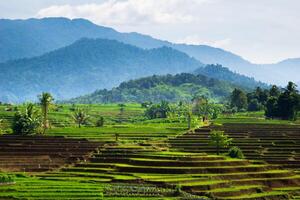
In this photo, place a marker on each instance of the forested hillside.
(223, 73)
(173, 88)
(85, 66)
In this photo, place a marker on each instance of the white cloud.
(129, 12)
(259, 30)
(197, 40)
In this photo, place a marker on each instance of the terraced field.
(42, 153)
(276, 144)
(149, 159)
(138, 171)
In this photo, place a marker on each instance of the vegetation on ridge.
(172, 88)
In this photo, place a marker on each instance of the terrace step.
(230, 191)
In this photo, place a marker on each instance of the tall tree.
(272, 107)
(274, 91)
(201, 107)
(239, 99)
(46, 100)
(291, 88)
(286, 105)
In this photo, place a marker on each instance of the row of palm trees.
(46, 100)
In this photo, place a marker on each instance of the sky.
(261, 31)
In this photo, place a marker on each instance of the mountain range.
(34, 37)
(76, 57)
(87, 65)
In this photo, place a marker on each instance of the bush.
(178, 190)
(6, 178)
(158, 110)
(235, 152)
(100, 122)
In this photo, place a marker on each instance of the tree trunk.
(189, 121)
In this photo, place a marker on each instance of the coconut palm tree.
(46, 100)
(80, 117)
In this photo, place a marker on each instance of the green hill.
(179, 87)
(222, 73)
(85, 66)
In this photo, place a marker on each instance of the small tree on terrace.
(219, 140)
(46, 100)
(80, 117)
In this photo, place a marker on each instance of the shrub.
(100, 122)
(178, 190)
(158, 110)
(235, 152)
(6, 178)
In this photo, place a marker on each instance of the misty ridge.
(76, 57)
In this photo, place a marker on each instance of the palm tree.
(46, 100)
(80, 117)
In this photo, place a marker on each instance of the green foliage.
(258, 99)
(85, 66)
(178, 190)
(254, 105)
(219, 140)
(182, 112)
(222, 73)
(1, 126)
(5, 178)
(121, 108)
(27, 122)
(171, 88)
(46, 100)
(238, 99)
(100, 122)
(158, 110)
(202, 107)
(235, 152)
(285, 105)
(274, 91)
(146, 104)
(80, 117)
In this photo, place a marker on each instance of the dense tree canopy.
(238, 99)
(172, 88)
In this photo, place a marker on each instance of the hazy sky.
(262, 31)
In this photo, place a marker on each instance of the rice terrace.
(149, 100)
